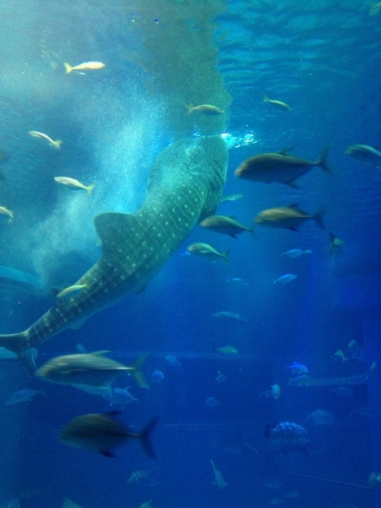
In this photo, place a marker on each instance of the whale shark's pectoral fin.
(117, 231)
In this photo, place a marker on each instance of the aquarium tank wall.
(190, 222)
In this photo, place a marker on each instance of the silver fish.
(121, 397)
(92, 369)
(365, 153)
(285, 279)
(22, 396)
(296, 253)
(227, 316)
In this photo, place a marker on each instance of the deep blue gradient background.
(324, 62)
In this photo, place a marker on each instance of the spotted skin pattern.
(185, 186)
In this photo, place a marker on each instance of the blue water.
(321, 60)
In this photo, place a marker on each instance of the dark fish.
(288, 217)
(102, 433)
(278, 167)
(185, 185)
(224, 225)
(365, 153)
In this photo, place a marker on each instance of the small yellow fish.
(207, 251)
(227, 350)
(206, 109)
(71, 291)
(5, 211)
(54, 144)
(86, 66)
(278, 104)
(74, 184)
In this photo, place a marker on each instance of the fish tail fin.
(322, 162)
(265, 98)
(57, 143)
(17, 343)
(90, 188)
(225, 256)
(27, 359)
(137, 372)
(146, 434)
(319, 218)
(189, 107)
(68, 68)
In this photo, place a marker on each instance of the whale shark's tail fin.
(18, 343)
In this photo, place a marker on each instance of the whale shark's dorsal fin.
(115, 229)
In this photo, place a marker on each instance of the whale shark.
(184, 186)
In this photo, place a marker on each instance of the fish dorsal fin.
(294, 205)
(100, 353)
(115, 229)
(285, 151)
